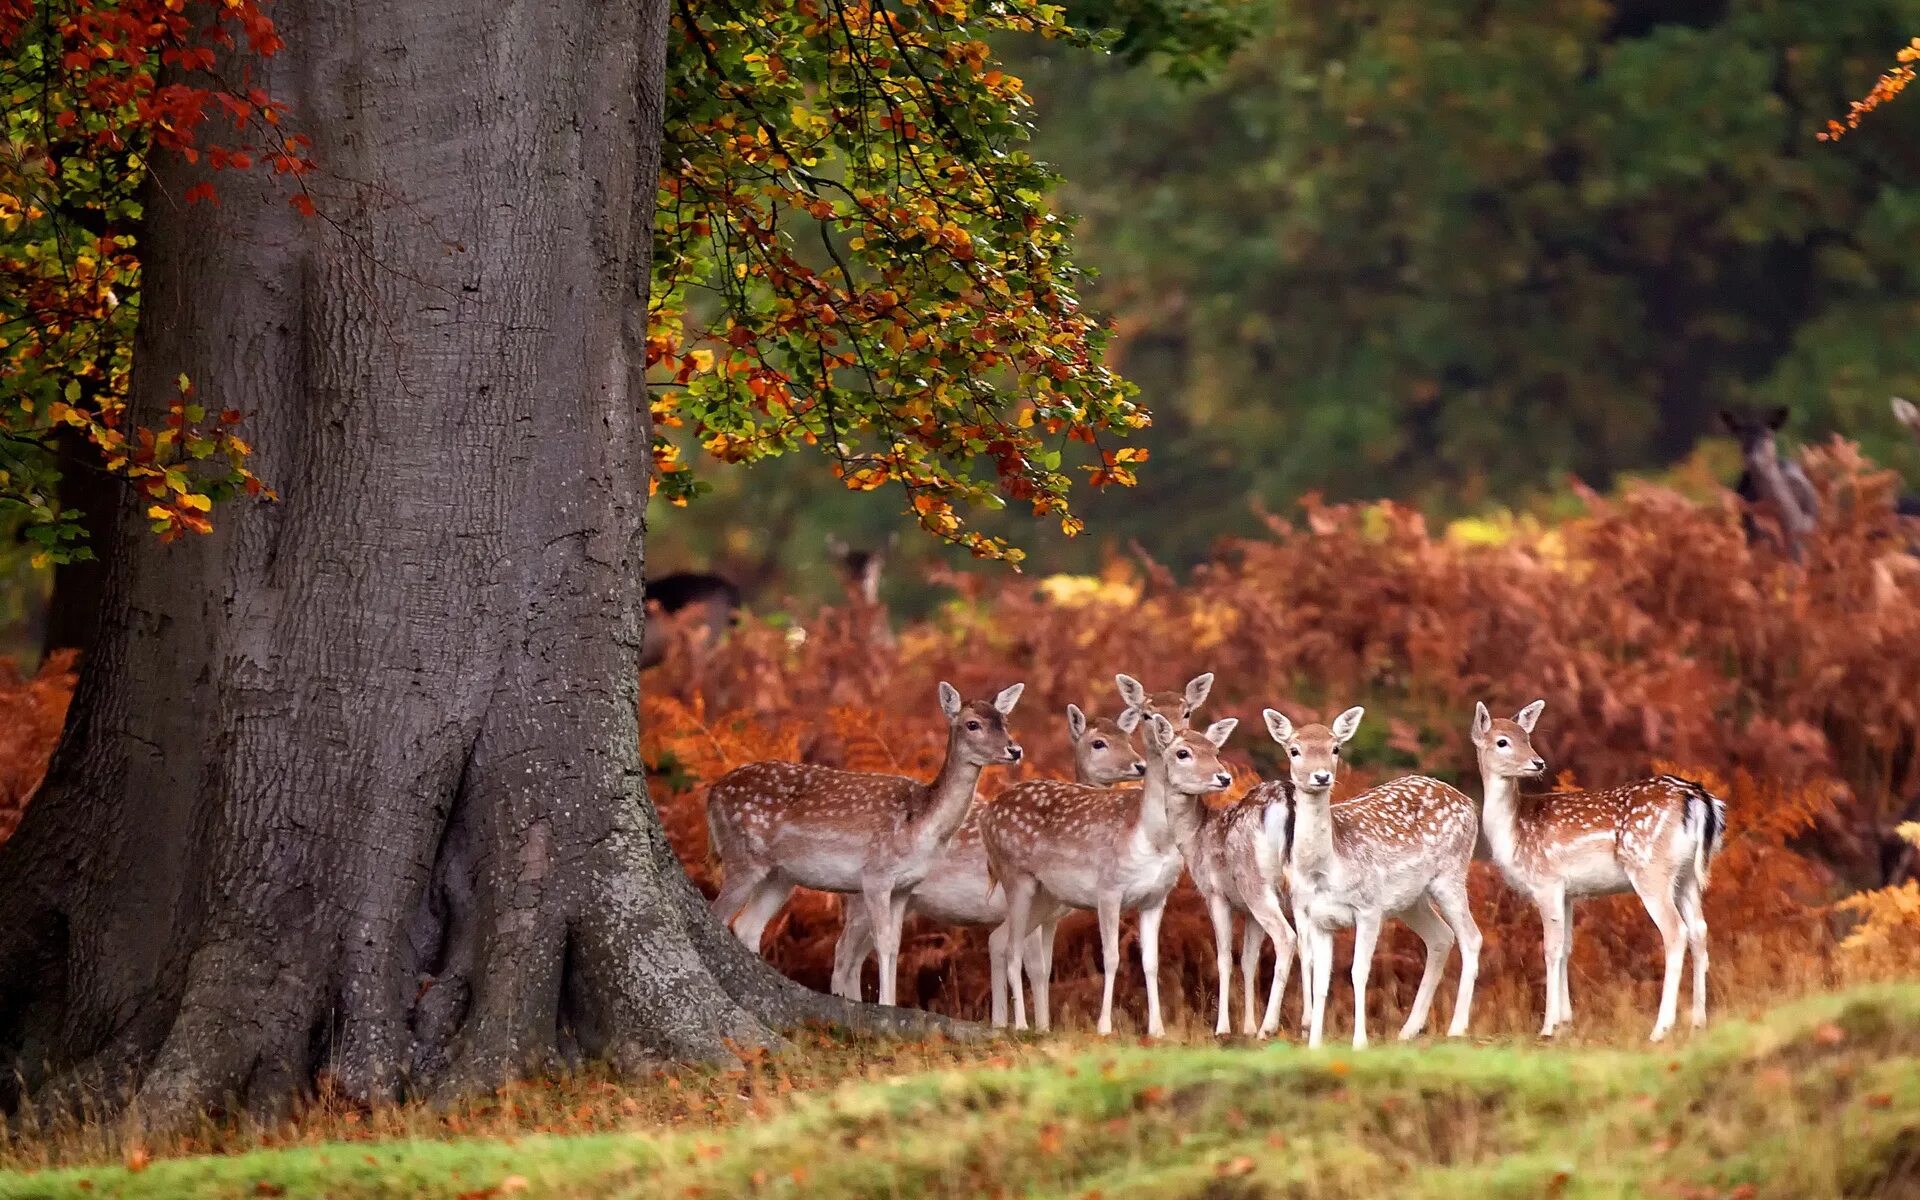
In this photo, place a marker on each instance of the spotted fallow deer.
(1655, 838)
(1401, 849)
(1178, 708)
(1237, 858)
(958, 890)
(781, 825)
(1065, 845)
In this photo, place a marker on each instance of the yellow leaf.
(196, 500)
(159, 512)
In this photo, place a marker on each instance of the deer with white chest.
(781, 825)
(958, 889)
(1398, 850)
(1655, 837)
(1066, 845)
(1237, 857)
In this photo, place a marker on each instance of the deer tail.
(1707, 814)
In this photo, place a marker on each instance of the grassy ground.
(1819, 1098)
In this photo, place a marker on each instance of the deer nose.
(1222, 779)
(1139, 768)
(1539, 764)
(1322, 778)
(1013, 752)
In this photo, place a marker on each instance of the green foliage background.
(1450, 252)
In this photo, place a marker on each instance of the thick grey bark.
(354, 783)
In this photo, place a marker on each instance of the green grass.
(1819, 1098)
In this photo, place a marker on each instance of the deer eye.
(1099, 744)
(1336, 752)
(974, 726)
(1182, 754)
(1295, 752)
(1503, 743)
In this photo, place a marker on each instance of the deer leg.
(1551, 901)
(1366, 934)
(1222, 915)
(1439, 939)
(768, 898)
(1040, 969)
(1693, 912)
(1252, 937)
(1656, 892)
(851, 951)
(1150, 964)
(1322, 972)
(997, 974)
(1303, 932)
(1456, 910)
(1108, 910)
(878, 894)
(1019, 904)
(1566, 958)
(1267, 917)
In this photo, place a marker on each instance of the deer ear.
(1159, 733)
(1526, 717)
(893, 539)
(1347, 724)
(1004, 702)
(1482, 722)
(1221, 730)
(950, 702)
(1129, 720)
(1131, 692)
(1278, 727)
(1776, 416)
(1197, 689)
(1906, 411)
(1076, 722)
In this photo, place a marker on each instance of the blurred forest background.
(1450, 253)
(1454, 254)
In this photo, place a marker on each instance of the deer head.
(860, 569)
(1177, 707)
(978, 728)
(1754, 431)
(1313, 751)
(1191, 760)
(1103, 749)
(1505, 748)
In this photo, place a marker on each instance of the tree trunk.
(353, 784)
(73, 608)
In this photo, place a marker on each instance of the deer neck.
(1499, 814)
(1771, 474)
(1185, 815)
(951, 792)
(1158, 802)
(1312, 827)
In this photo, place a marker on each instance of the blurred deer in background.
(780, 825)
(1772, 480)
(710, 603)
(958, 889)
(860, 573)
(1401, 849)
(1908, 414)
(1057, 845)
(1655, 838)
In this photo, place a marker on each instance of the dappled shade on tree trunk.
(353, 784)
